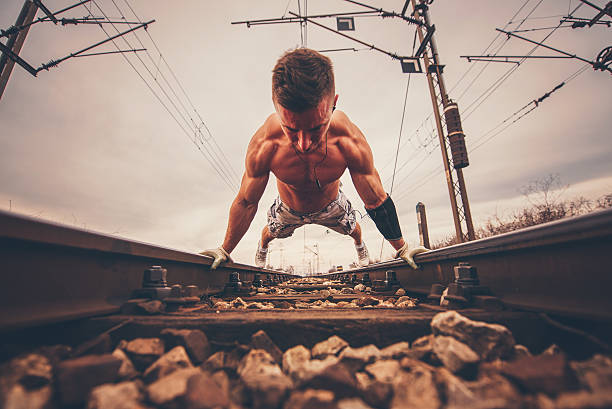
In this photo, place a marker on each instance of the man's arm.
(243, 209)
(244, 206)
(377, 202)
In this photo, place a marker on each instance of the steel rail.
(562, 267)
(54, 272)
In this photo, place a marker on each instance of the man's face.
(307, 129)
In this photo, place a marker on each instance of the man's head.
(303, 93)
(301, 79)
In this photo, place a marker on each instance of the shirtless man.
(308, 145)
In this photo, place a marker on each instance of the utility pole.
(15, 42)
(454, 153)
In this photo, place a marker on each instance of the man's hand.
(219, 255)
(407, 255)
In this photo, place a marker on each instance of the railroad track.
(73, 287)
(55, 272)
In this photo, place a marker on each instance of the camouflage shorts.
(339, 216)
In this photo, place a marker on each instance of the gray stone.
(124, 395)
(195, 342)
(261, 340)
(521, 351)
(143, 351)
(359, 288)
(18, 397)
(171, 361)
(325, 294)
(264, 379)
(356, 358)
(331, 346)
(488, 392)
(33, 371)
(404, 298)
(76, 377)
(411, 363)
(549, 374)
(395, 351)
(416, 389)
(127, 370)
(347, 290)
(170, 390)
(375, 393)
(313, 367)
(336, 378)
(584, 399)
(595, 373)
(311, 399)
(385, 371)
(554, 349)
(294, 359)
(489, 341)
(152, 307)
(423, 342)
(206, 391)
(25, 382)
(222, 360)
(367, 300)
(400, 292)
(353, 403)
(455, 355)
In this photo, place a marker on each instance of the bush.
(545, 205)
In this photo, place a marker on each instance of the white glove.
(407, 255)
(219, 255)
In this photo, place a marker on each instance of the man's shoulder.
(263, 145)
(344, 131)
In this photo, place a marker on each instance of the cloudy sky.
(89, 143)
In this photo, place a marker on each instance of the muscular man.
(308, 145)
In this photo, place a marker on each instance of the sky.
(89, 144)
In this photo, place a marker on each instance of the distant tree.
(544, 196)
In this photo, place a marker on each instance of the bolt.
(192, 291)
(155, 276)
(435, 293)
(466, 275)
(176, 290)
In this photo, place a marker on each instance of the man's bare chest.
(303, 170)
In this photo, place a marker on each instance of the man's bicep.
(253, 187)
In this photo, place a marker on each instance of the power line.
(222, 162)
(187, 133)
(489, 91)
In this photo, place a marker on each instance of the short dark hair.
(301, 79)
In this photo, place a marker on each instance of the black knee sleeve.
(385, 217)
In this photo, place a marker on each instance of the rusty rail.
(561, 267)
(54, 272)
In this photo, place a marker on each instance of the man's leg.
(356, 234)
(266, 237)
(362, 251)
(262, 247)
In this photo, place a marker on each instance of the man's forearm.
(240, 218)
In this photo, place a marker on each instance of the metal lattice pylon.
(454, 177)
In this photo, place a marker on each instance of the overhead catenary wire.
(471, 108)
(495, 131)
(223, 162)
(187, 97)
(422, 146)
(204, 152)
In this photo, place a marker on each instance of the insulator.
(458, 150)
(456, 138)
(453, 120)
